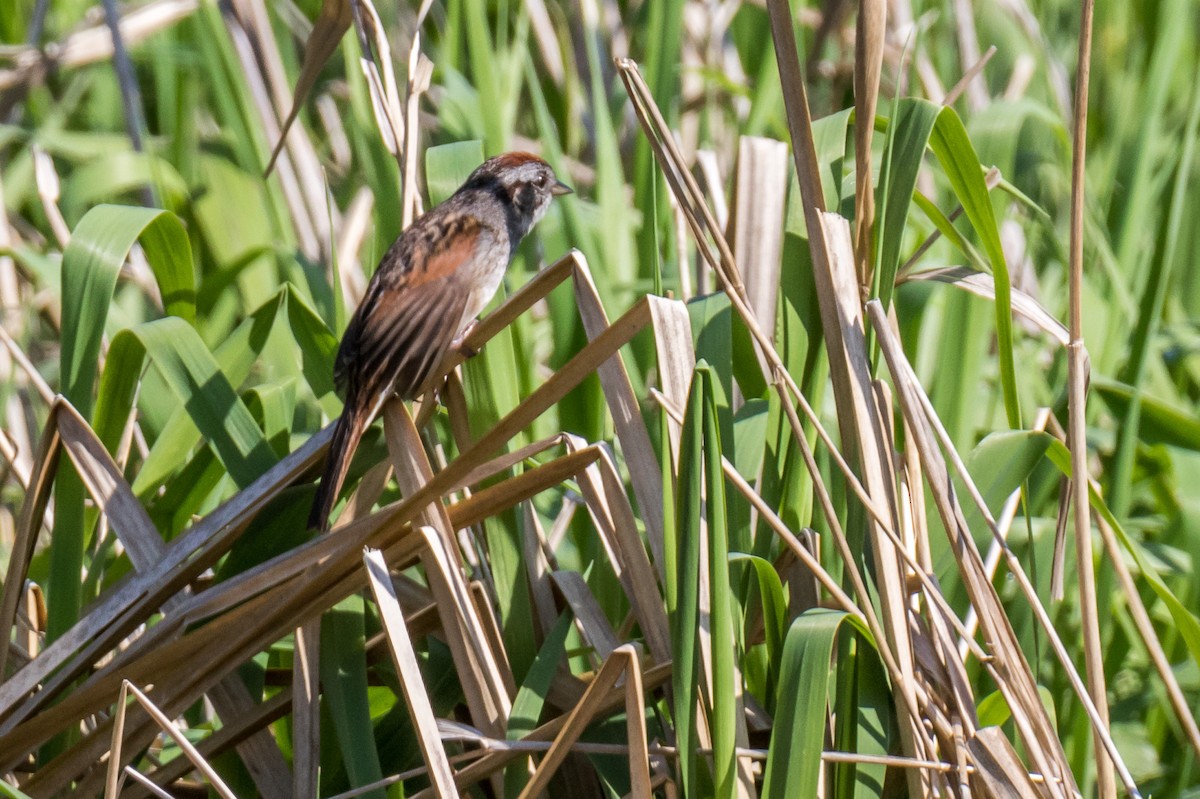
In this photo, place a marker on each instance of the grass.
(762, 481)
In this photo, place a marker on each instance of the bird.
(429, 287)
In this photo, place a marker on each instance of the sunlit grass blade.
(794, 757)
(531, 697)
(99, 246)
(953, 148)
(908, 138)
(683, 582)
(344, 679)
(201, 387)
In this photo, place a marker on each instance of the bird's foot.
(460, 345)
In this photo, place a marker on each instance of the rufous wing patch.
(450, 253)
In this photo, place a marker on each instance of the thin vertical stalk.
(1077, 370)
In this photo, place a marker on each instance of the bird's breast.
(486, 270)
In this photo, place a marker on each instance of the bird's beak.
(559, 189)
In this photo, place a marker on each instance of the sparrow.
(429, 287)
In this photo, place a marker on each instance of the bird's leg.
(459, 344)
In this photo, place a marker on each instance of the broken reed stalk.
(1077, 374)
(802, 553)
(407, 669)
(704, 229)
(170, 729)
(774, 372)
(1017, 681)
(902, 374)
(213, 534)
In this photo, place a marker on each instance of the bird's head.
(523, 182)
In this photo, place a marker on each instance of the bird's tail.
(349, 429)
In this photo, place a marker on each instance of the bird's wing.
(405, 324)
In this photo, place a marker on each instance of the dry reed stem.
(537, 570)
(380, 77)
(144, 546)
(1141, 617)
(146, 783)
(700, 220)
(918, 408)
(37, 495)
(484, 686)
(407, 668)
(991, 563)
(229, 639)
(623, 661)
(170, 729)
(289, 588)
(1145, 628)
(614, 521)
(306, 708)
(223, 739)
(968, 77)
(333, 20)
(613, 699)
(981, 284)
(991, 180)
(756, 227)
(644, 469)
(1016, 681)
(420, 72)
(1077, 375)
(998, 766)
(968, 51)
(299, 169)
(862, 426)
(241, 502)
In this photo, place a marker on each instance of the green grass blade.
(447, 166)
(774, 610)
(908, 137)
(531, 698)
(177, 433)
(683, 583)
(9, 792)
(798, 736)
(1186, 622)
(486, 73)
(958, 159)
(1149, 315)
(344, 681)
(199, 386)
(1159, 422)
(99, 246)
(724, 647)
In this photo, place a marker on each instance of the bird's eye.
(540, 181)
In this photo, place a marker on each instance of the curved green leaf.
(99, 246)
(202, 389)
(956, 154)
(774, 611)
(798, 736)
(1159, 422)
(908, 136)
(531, 698)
